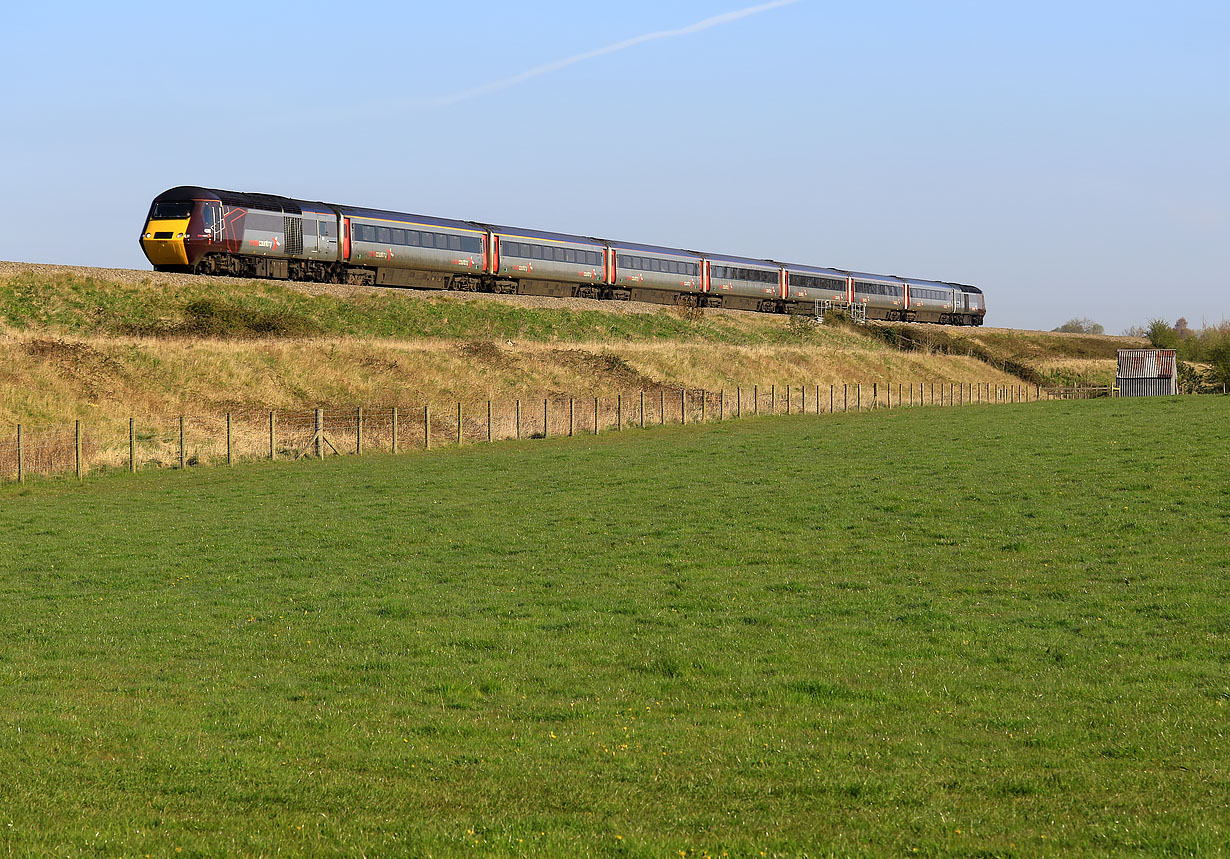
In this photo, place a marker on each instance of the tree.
(1162, 334)
(1084, 325)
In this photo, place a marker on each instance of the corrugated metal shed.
(1147, 373)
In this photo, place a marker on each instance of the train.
(213, 232)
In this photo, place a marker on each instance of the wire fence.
(247, 435)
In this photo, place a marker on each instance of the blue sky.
(1069, 158)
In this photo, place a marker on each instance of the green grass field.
(979, 631)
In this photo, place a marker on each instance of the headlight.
(179, 235)
(149, 235)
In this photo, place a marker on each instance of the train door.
(326, 240)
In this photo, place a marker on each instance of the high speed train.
(207, 231)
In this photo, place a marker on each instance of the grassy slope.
(1043, 357)
(761, 638)
(74, 347)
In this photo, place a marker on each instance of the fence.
(247, 435)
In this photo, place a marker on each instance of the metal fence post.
(662, 406)
(787, 399)
(619, 411)
(642, 418)
(230, 459)
(318, 440)
(704, 399)
(427, 427)
(132, 446)
(77, 447)
(358, 430)
(488, 420)
(518, 419)
(181, 443)
(739, 401)
(597, 425)
(755, 399)
(683, 406)
(545, 417)
(21, 458)
(772, 399)
(272, 447)
(459, 424)
(722, 404)
(571, 416)
(394, 416)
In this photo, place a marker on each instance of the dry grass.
(46, 380)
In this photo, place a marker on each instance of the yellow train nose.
(163, 242)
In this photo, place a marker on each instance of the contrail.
(716, 20)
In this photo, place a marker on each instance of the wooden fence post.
(318, 440)
(132, 446)
(803, 400)
(394, 416)
(77, 447)
(773, 399)
(788, 399)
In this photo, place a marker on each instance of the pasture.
(976, 631)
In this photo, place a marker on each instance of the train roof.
(405, 217)
(765, 263)
(866, 275)
(268, 202)
(815, 269)
(541, 234)
(649, 249)
(965, 287)
(914, 281)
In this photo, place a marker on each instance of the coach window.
(570, 255)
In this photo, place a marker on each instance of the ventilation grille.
(294, 236)
(162, 235)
